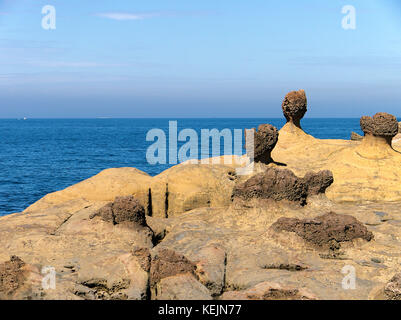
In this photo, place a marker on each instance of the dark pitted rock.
(123, 209)
(356, 137)
(269, 291)
(167, 263)
(318, 182)
(11, 276)
(392, 290)
(283, 184)
(326, 231)
(381, 125)
(295, 106)
(143, 257)
(265, 139)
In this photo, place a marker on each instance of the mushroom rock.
(265, 139)
(379, 131)
(295, 106)
(382, 125)
(369, 170)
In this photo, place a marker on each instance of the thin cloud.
(124, 16)
(120, 16)
(64, 64)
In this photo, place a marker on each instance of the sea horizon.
(44, 155)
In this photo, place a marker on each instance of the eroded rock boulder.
(392, 290)
(210, 268)
(11, 276)
(283, 184)
(265, 139)
(318, 182)
(269, 291)
(380, 125)
(166, 263)
(123, 209)
(295, 106)
(356, 137)
(327, 231)
(143, 257)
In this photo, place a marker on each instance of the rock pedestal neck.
(294, 107)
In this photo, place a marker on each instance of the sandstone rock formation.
(97, 234)
(265, 139)
(380, 125)
(283, 184)
(295, 106)
(210, 268)
(181, 287)
(356, 137)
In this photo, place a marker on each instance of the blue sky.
(180, 58)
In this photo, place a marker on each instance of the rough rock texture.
(265, 139)
(283, 184)
(392, 290)
(356, 137)
(381, 124)
(167, 263)
(123, 209)
(210, 268)
(11, 276)
(269, 291)
(318, 182)
(295, 106)
(181, 287)
(326, 231)
(143, 257)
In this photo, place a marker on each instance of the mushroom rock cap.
(381, 125)
(295, 106)
(265, 139)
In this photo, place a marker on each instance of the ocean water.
(39, 156)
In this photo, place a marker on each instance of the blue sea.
(39, 156)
